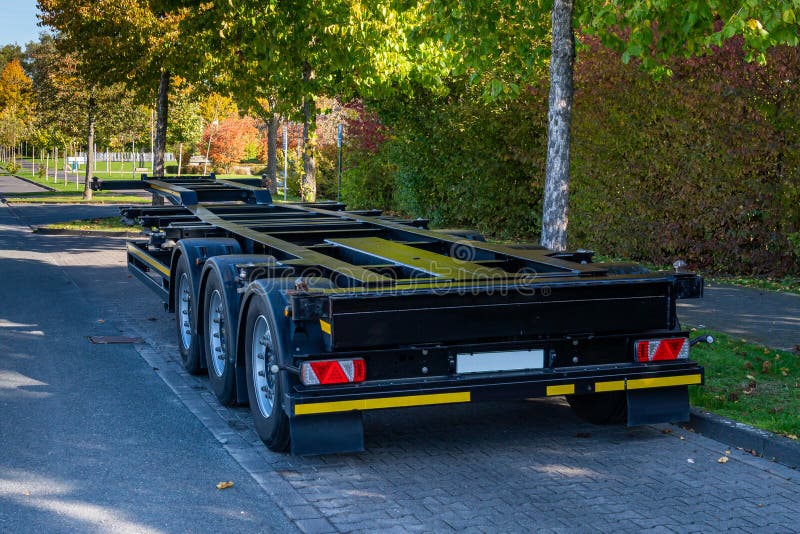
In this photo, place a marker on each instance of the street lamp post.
(214, 124)
(339, 165)
(285, 159)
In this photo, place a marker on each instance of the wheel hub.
(185, 311)
(263, 357)
(216, 331)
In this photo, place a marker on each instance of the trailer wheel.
(264, 390)
(188, 340)
(601, 408)
(220, 341)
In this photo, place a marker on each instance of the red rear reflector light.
(333, 372)
(660, 350)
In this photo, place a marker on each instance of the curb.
(48, 188)
(759, 442)
(82, 233)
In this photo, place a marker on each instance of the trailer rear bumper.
(434, 391)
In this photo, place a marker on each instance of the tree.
(559, 125)
(133, 42)
(650, 32)
(9, 52)
(228, 140)
(293, 52)
(186, 124)
(69, 107)
(15, 103)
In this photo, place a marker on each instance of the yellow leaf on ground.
(723, 460)
(224, 485)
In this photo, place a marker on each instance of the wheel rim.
(216, 333)
(185, 311)
(263, 358)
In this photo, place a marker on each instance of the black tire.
(601, 408)
(189, 343)
(272, 425)
(219, 336)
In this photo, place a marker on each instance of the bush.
(461, 162)
(326, 172)
(683, 168)
(704, 166)
(368, 180)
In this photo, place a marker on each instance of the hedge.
(703, 166)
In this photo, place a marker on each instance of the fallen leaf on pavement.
(689, 460)
(723, 460)
(667, 431)
(224, 485)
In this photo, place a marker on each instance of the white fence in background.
(141, 157)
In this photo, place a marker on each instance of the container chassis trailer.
(314, 314)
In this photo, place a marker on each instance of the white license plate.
(489, 362)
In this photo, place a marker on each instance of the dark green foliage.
(704, 166)
(326, 172)
(459, 161)
(690, 168)
(368, 180)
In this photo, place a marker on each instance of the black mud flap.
(658, 405)
(327, 434)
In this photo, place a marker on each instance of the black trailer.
(313, 314)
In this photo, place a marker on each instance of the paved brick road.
(511, 467)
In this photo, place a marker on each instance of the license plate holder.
(497, 362)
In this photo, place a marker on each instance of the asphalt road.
(12, 185)
(91, 438)
(110, 438)
(766, 317)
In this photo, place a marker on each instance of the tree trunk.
(180, 157)
(559, 122)
(272, 153)
(162, 111)
(87, 186)
(308, 183)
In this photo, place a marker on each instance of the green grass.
(749, 383)
(115, 170)
(75, 197)
(106, 224)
